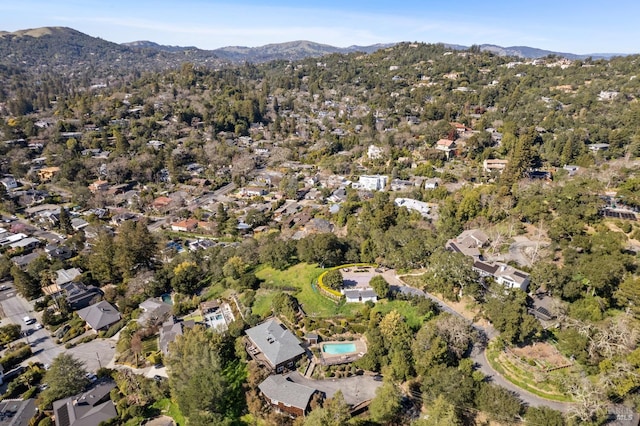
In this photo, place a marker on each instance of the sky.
(571, 26)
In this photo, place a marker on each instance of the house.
(413, 205)
(360, 295)
(272, 342)
(469, 243)
(286, 396)
(47, 173)
(154, 310)
(185, 225)
(431, 183)
(161, 203)
(100, 316)
(217, 315)
(539, 174)
(571, 169)
(504, 274)
(25, 260)
(89, 408)
(494, 164)
(78, 223)
(17, 412)
(171, 329)
(201, 244)
(99, 185)
(318, 226)
(374, 152)
(460, 128)
(9, 183)
(446, 145)
(79, 295)
(64, 276)
(401, 185)
(25, 244)
(8, 238)
(595, 147)
(253, 191)
(372, 182)
(55, 252)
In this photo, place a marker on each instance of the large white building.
(373, 182)
(414, 205)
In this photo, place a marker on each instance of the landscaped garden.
(541, 377)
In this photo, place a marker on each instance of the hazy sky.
(585, 26)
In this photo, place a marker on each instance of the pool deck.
(328, 359)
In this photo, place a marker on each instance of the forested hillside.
(271, 165)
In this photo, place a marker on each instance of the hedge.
(331, 293)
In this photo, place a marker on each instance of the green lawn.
(150, 345)
(300, 277)
(169, 408)
(405, 309)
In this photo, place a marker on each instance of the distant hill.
(292, 50)
(532, 52)
(66, 48)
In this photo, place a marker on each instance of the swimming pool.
(339, 348)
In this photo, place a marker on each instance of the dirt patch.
(468, 309)
(545, 356)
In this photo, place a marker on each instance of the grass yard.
(169, 408)
(409, 312)
(299, 277)
(150, 345)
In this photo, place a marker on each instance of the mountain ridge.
(64, 47)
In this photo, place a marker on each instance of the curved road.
(478, 351)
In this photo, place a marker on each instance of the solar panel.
(543, 311)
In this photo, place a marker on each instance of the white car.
(38, 326)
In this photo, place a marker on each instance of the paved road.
(15, 308)
(478, 351)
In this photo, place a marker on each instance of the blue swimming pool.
(339, 348)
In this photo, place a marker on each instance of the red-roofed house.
(446, 145)
(161, 202)
(185, 225)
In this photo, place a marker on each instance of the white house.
(413, 205)
(504, 274)
(360, 295)
(374, 152)
(494, 164)
(373, 182)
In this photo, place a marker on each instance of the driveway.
(356, 389)
(94, 354)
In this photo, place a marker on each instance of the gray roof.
(359, 292)
(278, 388)
(276, 342)
(87, 409)
(99, 315)
(171, 329)
(15, 412)
(67, 275)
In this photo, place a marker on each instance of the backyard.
(297, 280)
